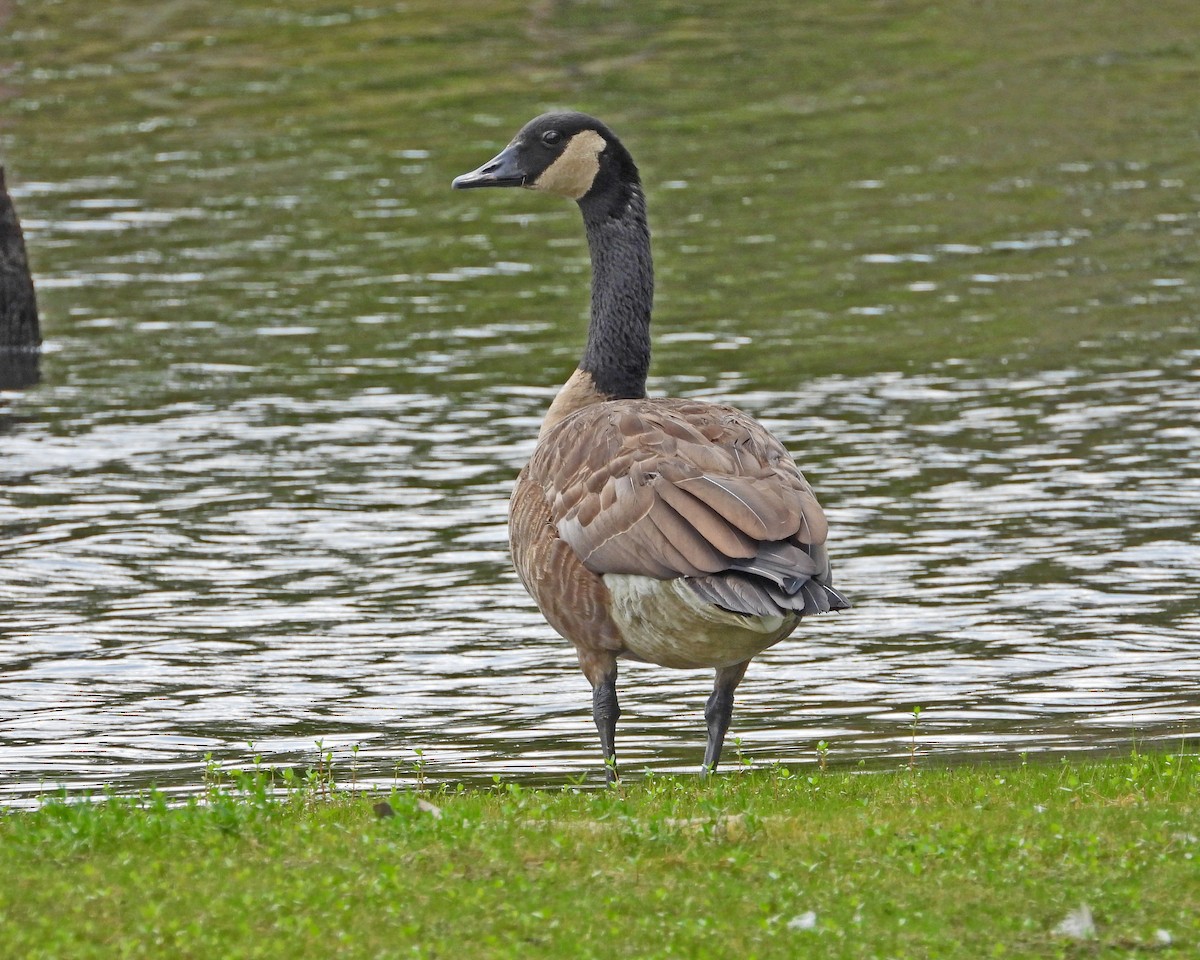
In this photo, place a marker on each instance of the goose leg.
(606, 710)
(719, 710)
(601, 672)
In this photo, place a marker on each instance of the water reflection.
(20, 369)
(279, 570)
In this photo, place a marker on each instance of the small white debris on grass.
(1163, 937)
(803, 921)
(431, 808)
(1078, 924)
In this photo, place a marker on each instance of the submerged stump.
(20, 333)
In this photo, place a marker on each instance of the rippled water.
(1021, 551)
(259, 496)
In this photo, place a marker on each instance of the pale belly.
(664, 622)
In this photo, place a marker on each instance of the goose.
(670, 531)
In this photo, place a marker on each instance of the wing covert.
(668, 489)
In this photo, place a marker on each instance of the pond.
(257, 502)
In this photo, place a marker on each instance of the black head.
(568, 154)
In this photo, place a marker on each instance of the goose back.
(668, 490)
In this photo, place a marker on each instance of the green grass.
(974, 862)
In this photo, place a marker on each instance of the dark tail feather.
(755, 596)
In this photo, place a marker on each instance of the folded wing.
(677, 488)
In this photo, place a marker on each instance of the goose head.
(567, 154)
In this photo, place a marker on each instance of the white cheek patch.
(571, 175)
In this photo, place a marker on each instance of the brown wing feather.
(678, 488)
(709, 524)
(573, 599)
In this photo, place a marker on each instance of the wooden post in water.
(20, 333)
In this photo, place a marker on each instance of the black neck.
(618, 345)
(18, 302)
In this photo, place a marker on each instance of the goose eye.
(551, 137)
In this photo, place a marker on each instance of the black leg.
(718, 711)
(606, 710)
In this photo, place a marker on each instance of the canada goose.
(677, 532)
(20, 337)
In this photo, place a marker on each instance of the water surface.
(259, 496)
